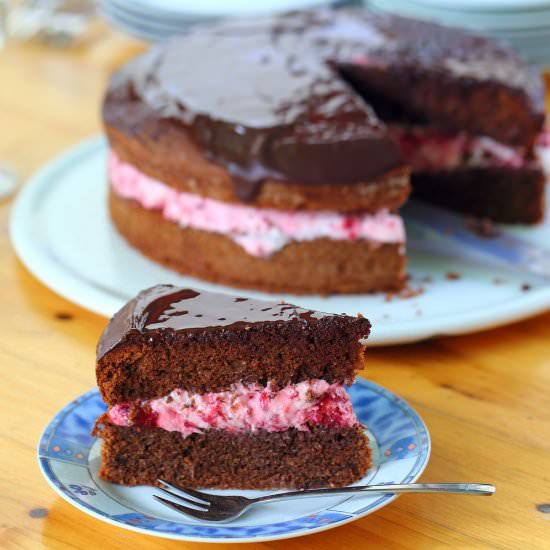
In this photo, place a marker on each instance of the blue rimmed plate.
(69, 458)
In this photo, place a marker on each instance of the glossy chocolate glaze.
(266, 97)
(166, 307)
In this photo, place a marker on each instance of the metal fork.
(222, 508)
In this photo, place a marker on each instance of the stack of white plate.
(158, 19)
(523, 23)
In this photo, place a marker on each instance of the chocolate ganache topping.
(268, 98)
(166, 307)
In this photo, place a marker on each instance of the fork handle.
(459, 488)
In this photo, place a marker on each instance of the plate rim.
(416, 471)
(192, 10)
(104, 301)
(471, 7)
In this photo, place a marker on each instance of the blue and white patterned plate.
(69, 458)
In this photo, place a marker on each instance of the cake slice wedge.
(213, 390)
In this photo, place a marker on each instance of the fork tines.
(199, 501)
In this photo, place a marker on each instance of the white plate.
(482, 21)
(148, 29)
(60, 229)
(154, 20)
(491, 6)
(215, 8)
(69, 459)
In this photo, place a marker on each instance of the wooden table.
(485, 397)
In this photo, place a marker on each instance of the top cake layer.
(184, 310)
(198, 341)
(283, 98)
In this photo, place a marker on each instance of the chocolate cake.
(275, 152)
(212, 390)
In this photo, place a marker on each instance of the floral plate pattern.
(69, 459)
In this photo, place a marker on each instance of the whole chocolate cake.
(274, 152)
(211, 390)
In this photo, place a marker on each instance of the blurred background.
(63, 23)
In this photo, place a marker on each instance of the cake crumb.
(497, 281)
(405, 293)
(452, 276)
(482, 227)
(410, 292)
(525, 287)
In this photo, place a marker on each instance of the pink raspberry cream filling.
(260, 231)
(242, 409)
(430, 149)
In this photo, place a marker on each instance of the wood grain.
(485, 397)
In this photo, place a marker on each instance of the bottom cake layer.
(220, 459)
(321, 266)
(502, 194)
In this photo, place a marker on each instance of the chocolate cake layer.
(219, 459)
(284, 110)
(320, 266)
(168, 337)
(502, 194)
(166, 153)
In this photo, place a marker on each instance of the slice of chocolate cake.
(212, 390)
